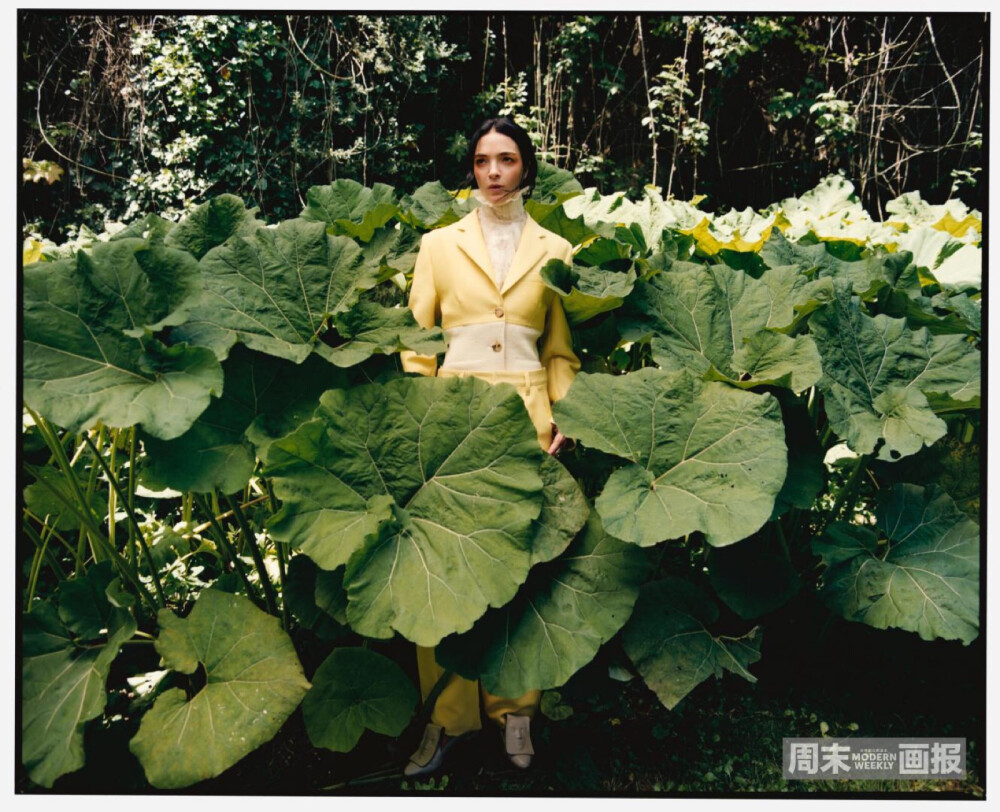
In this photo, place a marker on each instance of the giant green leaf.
(253, 683)
(669, 641)
(564, 512)
(150, 227)
(216, 451)
(62, 680)
(427, 488)
(211, 224)
(917, 569)
(433, 206)
(394, 248)
(275, 290)
(704, 456)
(84, 606)
(587, 292)
(354, 690)
(559, 619)
(554, 184)
(572, 229)
(606, 252)
(877, 374)
(88, 351)
(369, 328)
(350, 208)
(723, 323)
(866, 275)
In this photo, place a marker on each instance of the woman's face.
(497, 165)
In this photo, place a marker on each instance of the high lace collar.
(509, 211)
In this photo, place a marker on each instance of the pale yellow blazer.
(453, 285)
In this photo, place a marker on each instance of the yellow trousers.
(457, 706)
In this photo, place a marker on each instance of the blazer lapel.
(531, 249)
(473, 244)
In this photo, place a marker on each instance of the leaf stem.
(225, 546)
(112, 496)
(51, 533)
(139, 535)
(42, 553)
(131, 492)
(250, 541)
(92, 484)
(280, 548)
(93, 532)
(81, 509)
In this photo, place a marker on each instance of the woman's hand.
(558, 438)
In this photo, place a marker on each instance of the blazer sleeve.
(425, 305)
(556, 346)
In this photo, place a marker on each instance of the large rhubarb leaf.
(218, 451)
(917, 569)
(211, 224)
(723, 323)
(587, 292)
(669, 641)
(349, 208)
(433, 206)
(89, 354)
(878, 375)
(867, 275)
(427, 488)
(564, 512)
(63, 678)
(560, 618)
(354, 690)
(275, 290)
(704, 456)
(369, 328)
(392, 249)
(253, 683)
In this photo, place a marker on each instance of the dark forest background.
(125, 114)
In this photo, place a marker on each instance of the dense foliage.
(122, 114)
(223, 460)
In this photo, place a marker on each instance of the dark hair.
(504, 126)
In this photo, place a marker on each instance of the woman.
(479, 279)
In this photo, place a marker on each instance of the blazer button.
(497, 346)
(498, 312)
